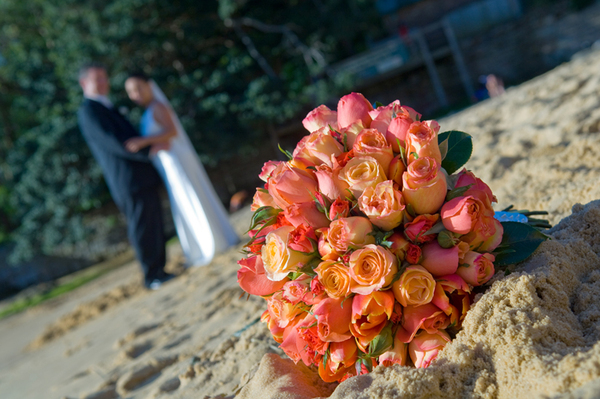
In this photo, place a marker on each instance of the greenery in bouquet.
(368, 242)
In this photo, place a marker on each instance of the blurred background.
(241, 74)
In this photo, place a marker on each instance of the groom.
(132, 180)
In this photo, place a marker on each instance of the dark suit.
(131, 179)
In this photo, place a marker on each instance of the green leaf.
(460, 147)
(381, 343)
(378, 104)
(457, 192)
(310, 266)
(264, 214)
(519, 241)
(286, 152)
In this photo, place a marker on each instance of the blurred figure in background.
(201, 221)
(131, 178)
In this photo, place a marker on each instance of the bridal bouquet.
(367, 243)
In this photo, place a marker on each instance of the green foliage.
(519, 241)
(230, 68)
(457, 148)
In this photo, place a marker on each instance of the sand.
(533, 334)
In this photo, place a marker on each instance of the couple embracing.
(135, 163)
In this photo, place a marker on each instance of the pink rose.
(477, 268)
(383, 205)
(415, 230)
(290, 185)
(252, 278)
(370, 142)
(422, 140)
(346, 232)
(295, 291)
(319, 148)
(320, 117)
(399, 245)
(349, 133)
(329, 182)
(303, 239)
(396, 170)
(370, 314)
(439, 261)
(486, 234)
(302, 342)
(353, 107)
(424, 185)
(362, 172)
(427, 317)
(339, 209)
(460, 214)
(262, 198)
(397, 355)
(371, 268)
(399, 126)
(306, 213)
(413, 254)
(424, 348)
(333, 317)
(478, 189)
(267, 169)
(382, 115)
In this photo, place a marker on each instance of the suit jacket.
(105, 131)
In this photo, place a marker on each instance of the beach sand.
(533, 334)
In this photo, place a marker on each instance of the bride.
(200, 219)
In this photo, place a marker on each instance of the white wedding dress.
(200, 219)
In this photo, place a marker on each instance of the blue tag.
(510, 217)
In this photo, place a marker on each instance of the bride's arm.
(163, 117)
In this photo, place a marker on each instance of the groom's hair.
(83, 70)
(139, 75)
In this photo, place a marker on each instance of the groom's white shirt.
(102, 100)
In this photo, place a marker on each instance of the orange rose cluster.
(364, 247)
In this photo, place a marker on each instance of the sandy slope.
(534, 333)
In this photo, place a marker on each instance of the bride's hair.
(139, 75)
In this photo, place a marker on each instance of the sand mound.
(533, 333)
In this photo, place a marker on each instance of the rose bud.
(372, 268)
(448, 239)
(329, 182)
(325, 249)
(335, 278)
(353, 107)
(382, 116)
(278, 258)
(383, 205)
(362, 172)
(478, 188)
(339, 209)
(252, 278)
(370, 314)
(460, 214)
(306, 213)
(341, 361)
(333, 315)
(320, 117)
(289, 185)
(477, 268)
(422, 140)
(415, 287)
(397, 355)
(396, 170)
(424, 348)
(371, 143)
(262, 198)
(486, 234)
(354, 231)
(428, 317)
(413, 254)
(415, 230)
(439, 261)
(399, 245)
(303, 239)
(424, 186)
(399, 126)
(349, 133)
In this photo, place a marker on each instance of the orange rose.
(282, 311)
(370, 142)
(422, 140)
(427, 317)
(333, 317)
(424, 186)
(415, 287)
(383, 205)
(452, 296)
(320, 147)
(370, 314)
(397, 355)
(486, 234)
(424, 348)
(477, 268)
(372, 268)
(289, 185)
(362, 172)
(329, 182)
(335, 278)
(396, 170)
(262, 198)
(341, 361)
(320, 117)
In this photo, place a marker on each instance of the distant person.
(131, 178)
(201, 221)
(494, 85)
